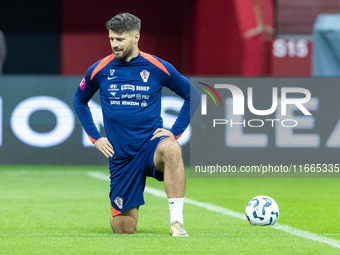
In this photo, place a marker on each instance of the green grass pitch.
(63, 210)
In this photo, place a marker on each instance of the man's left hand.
(162, 132)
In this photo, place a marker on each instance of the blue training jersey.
(130, 95)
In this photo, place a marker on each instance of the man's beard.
(127, 52)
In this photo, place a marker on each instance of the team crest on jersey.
(145, 75)
(119, 202)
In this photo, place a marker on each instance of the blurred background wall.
(199, 37)
(50, 44)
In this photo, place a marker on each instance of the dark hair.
(123, 22)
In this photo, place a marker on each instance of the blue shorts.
(128, 179)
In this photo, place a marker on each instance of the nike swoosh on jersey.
(110, 78)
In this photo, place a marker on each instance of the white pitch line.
(308, 235)
(136, 234)
(98, 175)
(228, 212)
(41, 173)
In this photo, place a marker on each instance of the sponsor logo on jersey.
(114, 102)
(82, 84)
(138, 96)
(130, 103)
(112, 72)
(128, 87)
(113, 87)
(142, 88)
(146, 97)
(144, 104)
(145, 75)
(114, 95)
(129, 96)
(119, 202)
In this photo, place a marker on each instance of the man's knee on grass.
(123, 226)
(125, 223)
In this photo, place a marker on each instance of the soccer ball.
(262, 210)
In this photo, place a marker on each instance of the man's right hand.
(103, 145)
